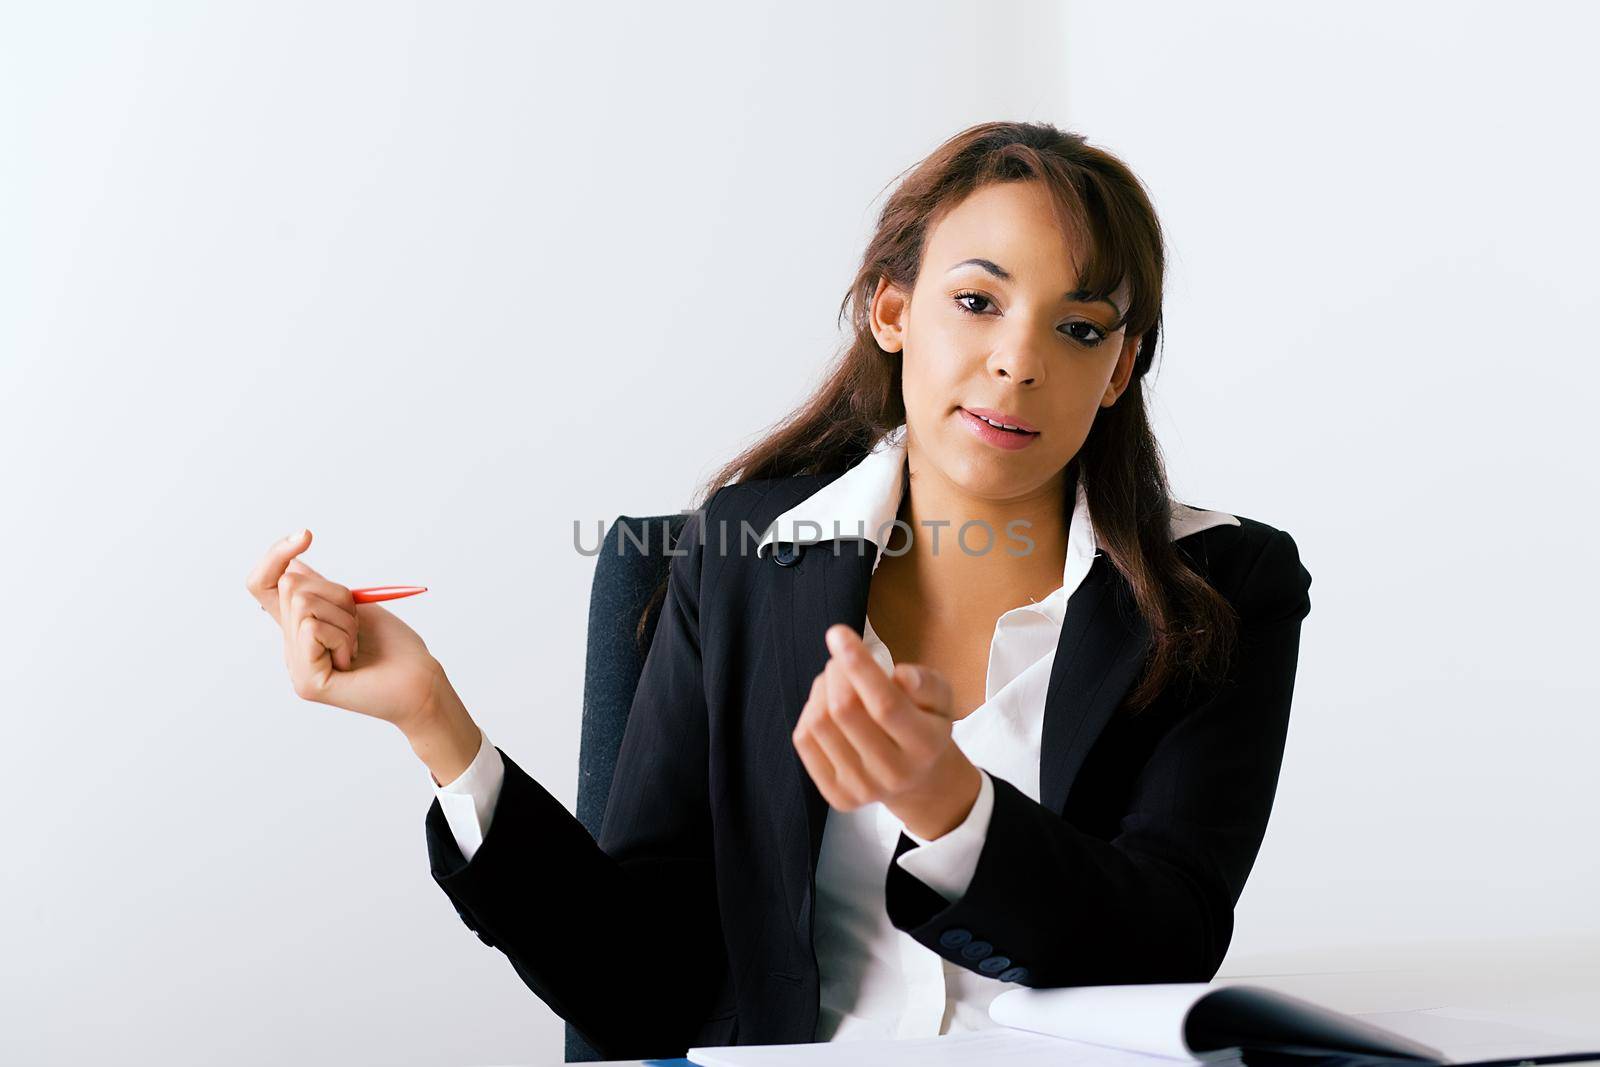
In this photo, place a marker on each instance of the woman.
(981, 707)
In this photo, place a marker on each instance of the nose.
(1019, 365)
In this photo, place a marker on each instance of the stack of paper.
(1182, 1023)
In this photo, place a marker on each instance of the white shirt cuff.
(468, 801)
(947, 863)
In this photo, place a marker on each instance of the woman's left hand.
(865, 736)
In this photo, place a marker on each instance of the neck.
(998, 569)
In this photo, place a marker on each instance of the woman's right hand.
(359, 657)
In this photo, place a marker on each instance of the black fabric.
(689, 920)
(632, 560)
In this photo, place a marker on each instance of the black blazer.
(690, 921)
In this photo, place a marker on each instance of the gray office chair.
(631, 563)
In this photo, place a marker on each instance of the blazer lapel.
(1103, 641)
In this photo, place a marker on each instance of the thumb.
(926, 687)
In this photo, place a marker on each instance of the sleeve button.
(1015, 974)
(994, 964)
(976, 950)
(955, 937)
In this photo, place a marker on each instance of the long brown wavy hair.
(1193, 627)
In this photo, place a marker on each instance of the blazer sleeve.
(1061, 907)
(620, 937)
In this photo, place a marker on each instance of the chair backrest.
(632, 561)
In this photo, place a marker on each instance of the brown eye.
(970, 296)
(1088, 342)
(1096, 335)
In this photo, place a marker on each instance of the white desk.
(1554, 980)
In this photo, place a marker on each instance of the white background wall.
(436, 282)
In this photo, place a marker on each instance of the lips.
(1008, 423)
(989, 434)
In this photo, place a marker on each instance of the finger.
(928, 688)
(330, 642)
(842, 790)
(303, 596)
(301, 601)
(885, 701)
(816, 762)
(848, 769)
(328, 602)
(310, 662)
(300, 566)
(262, 581)
(884, 762)
(821, 772)
(337, 595)
(334, 598)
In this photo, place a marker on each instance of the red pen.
(385, 592)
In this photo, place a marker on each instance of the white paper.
(1139, 1018)
(1133, 1025)
(1014, 1048)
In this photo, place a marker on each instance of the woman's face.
(990, 327)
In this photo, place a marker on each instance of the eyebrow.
(1005, 276)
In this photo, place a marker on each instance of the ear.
(888, 314)
(1122, 372)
